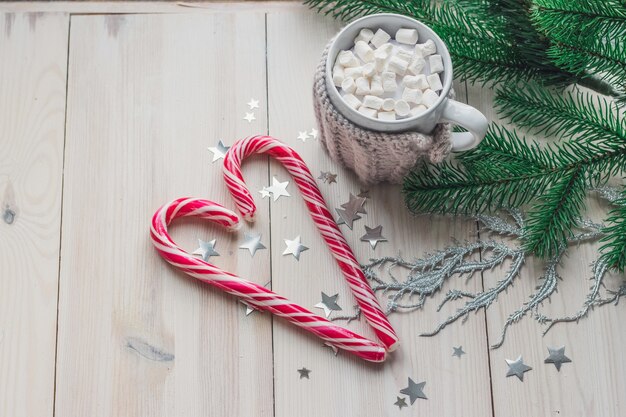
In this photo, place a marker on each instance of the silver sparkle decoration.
(458, 351)
(278, 189)
(249, 308)
(328, 177)
(400, 402)
(252, 242)
(557, 357)
(206, 249)
(328, 304)
(304, 373)
(334, 348)
(314, 133)
(349, 317)
(219, 151)
(355, 205)
(373, 236)
(253, 104)
(294, 247)
(347, 218)
(303, 136)
(265, 193)
(517, 368)
(414, 391)
(249, 117)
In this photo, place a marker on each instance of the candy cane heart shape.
(322, 217)
(253, 294)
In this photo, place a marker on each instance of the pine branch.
(614, 251)
(547, 112)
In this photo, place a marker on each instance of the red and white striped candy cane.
(321, 216)
(254, 294)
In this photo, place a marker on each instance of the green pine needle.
(614, 250)
(565, 115)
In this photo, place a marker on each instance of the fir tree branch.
(614, 249)
(543, 111)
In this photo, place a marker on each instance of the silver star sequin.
(294, 247)
(328, 304)
(334, 348)
(400, 402)
(373, 236)
(355, 205)
(249, 117)
(557, 357)
(253, 104)
(314, 133)
(265, 193)
(278, 188)
(249, 308)
(458, 351)
(303, 136)
(304, 373)
(328, 177)
(347, 218)
(517, 368)
(252, 242)
(219, 151)
(206, 249)
(414, 391)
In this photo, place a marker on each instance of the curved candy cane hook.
(322, 217)
(254, 294)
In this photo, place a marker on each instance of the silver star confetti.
(294, 247)
(313, 133)
(364, 194)
(252, 242)
(253, 104)
(400, 402)
(265, 193)
(249, 117)
(304, 373)
(328, 304)
(206, 249)
(249, 308)
(458, 351)
(328, 177)
(557, 357)
(373, 236)
(414, 391)
(278, 189)
(334, 348)
(517, 368)
(347, 218)
(355, 205)
(303, 136)
(219, 151)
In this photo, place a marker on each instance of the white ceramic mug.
(444, 110)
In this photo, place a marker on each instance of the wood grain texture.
(136, 337)
(593, 385)
(344, 385)
(33, 58)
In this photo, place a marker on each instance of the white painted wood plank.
(147, 95)
(593, 385)
(33, 58)
(345, 385)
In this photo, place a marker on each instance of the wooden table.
(106, 112)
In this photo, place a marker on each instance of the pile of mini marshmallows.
(369, 77)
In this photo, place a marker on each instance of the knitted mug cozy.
(374, 156)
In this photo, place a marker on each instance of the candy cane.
(322, 217)
(254, 294)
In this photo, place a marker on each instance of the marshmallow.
(353, 72)
(364, 35)
(389, 81)
(419, 109)
(362, 86)
(364, 51)
(380, 38)
(389, 104)
(347, 59)
(402, 108)
(429, 48)
(387, 115)
(376, 86)
(411, 95)
(372, 102)
(352, 101)
(368, 112)
(410, 81)
(421, 82)
(404, 55)
(369, 70)
(416, 66)
(436, 63)
(406, 36)
(429, 98)
(381, 55)
(434, 82)
(338, 75)
(348, 85)
(397, 65)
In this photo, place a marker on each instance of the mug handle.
(468, 117)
